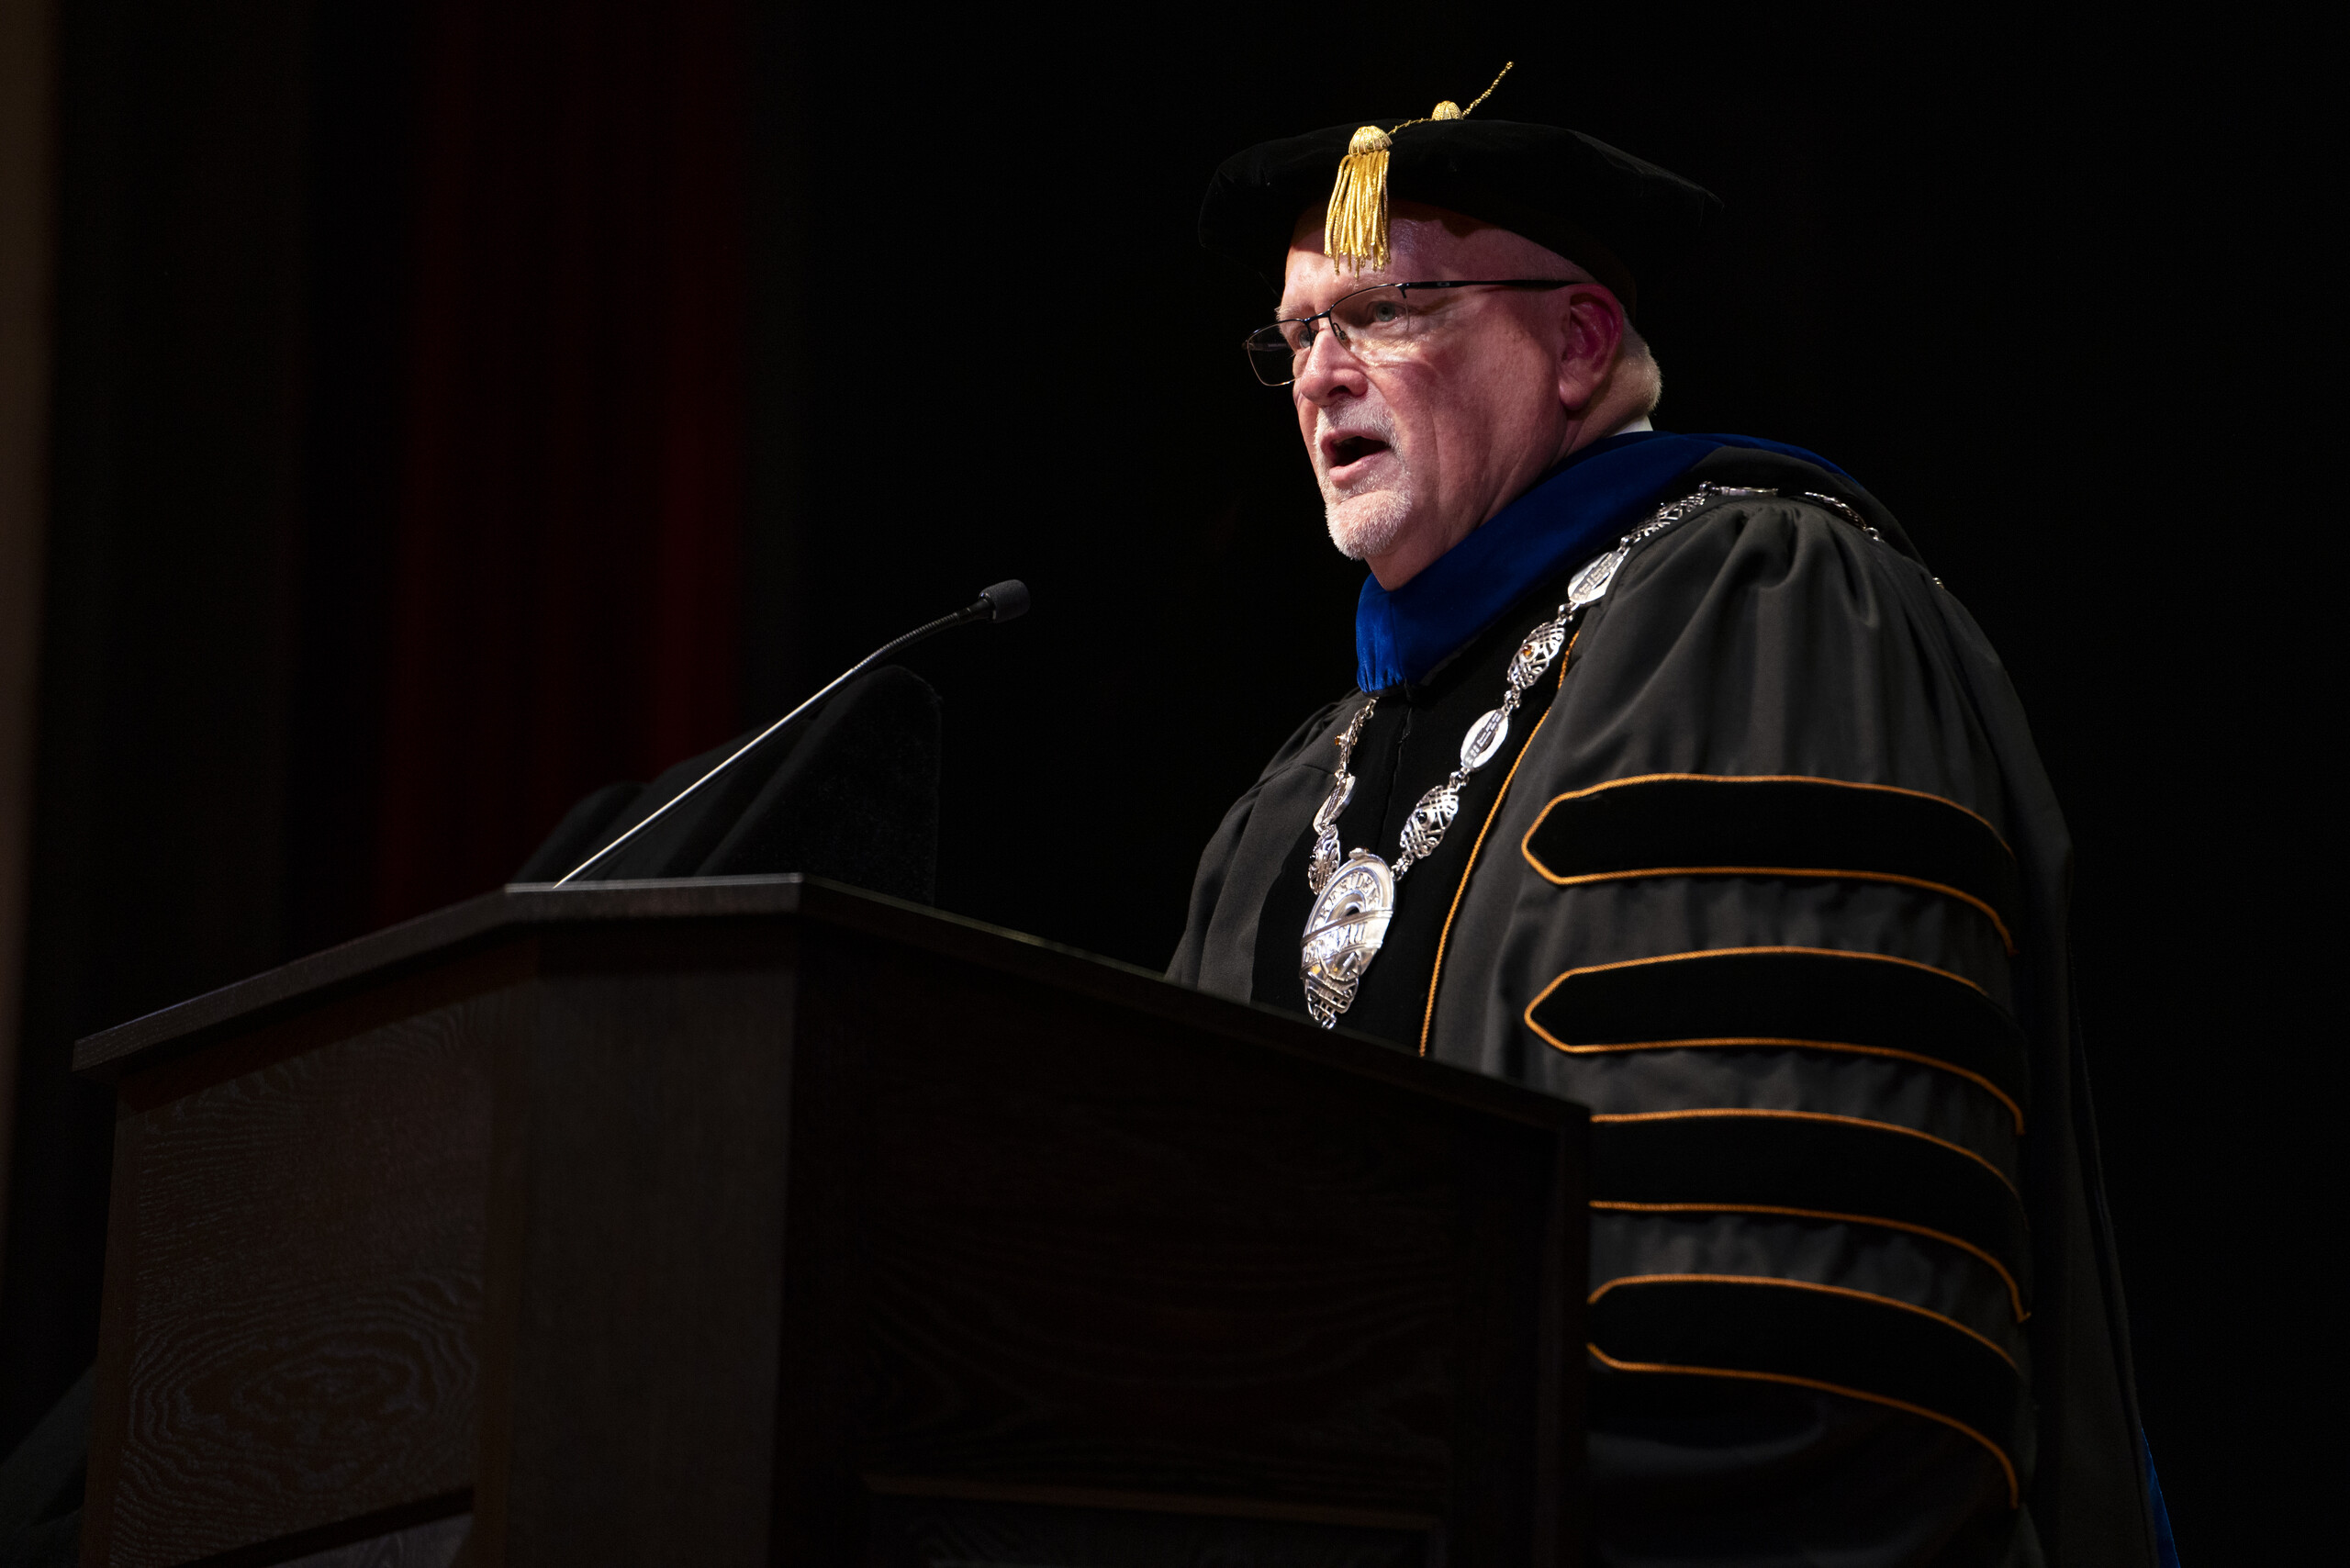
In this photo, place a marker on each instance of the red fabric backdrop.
(566, 609)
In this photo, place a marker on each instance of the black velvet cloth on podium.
(849, 793)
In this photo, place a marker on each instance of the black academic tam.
(1618, 217)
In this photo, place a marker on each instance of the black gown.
(1769, 876)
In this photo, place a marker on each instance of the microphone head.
(1006, 600)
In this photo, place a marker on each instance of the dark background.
(461, 405)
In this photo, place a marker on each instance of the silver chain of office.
(1355, 893)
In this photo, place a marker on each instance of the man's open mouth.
(1354, 449)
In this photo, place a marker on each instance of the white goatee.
(1365, 522)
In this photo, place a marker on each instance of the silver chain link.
(1341, 940)
(1431, 818)
(1354, 894)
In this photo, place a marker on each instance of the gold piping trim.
(1526, 844)
(2007, 1469)
(1838, 1046)
(1988, 1087)
(1427, 1018)
(1723, 952)
(1780, 779)
(1822, 873)
(1810, 1116)
(2015, 1293)
(1593, 1299)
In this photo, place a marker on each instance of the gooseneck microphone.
(1004, 601)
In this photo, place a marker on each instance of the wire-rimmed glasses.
(1370, 323)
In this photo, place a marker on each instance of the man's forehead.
(1423, 242)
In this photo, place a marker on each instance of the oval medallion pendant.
(1345, 931)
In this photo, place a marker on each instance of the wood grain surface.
(691, 1223)
(635, 1272)
(433, 1545)
(295, 1290)
(434, 941)
(1072, 1245)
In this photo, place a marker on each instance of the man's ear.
(1591, 336)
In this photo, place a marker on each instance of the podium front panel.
(766, 1222)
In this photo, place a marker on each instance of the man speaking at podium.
(1677, 785)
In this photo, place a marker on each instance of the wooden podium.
(761, 1221)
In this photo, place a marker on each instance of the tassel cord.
(1354, 229)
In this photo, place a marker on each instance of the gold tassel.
(1355, 228)
(1354, 231)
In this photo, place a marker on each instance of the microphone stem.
(943, 623)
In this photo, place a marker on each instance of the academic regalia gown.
(1768, 875)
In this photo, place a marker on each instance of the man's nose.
(1330, 367)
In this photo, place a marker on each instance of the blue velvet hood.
(1570, 515)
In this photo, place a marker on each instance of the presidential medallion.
(1345, 933)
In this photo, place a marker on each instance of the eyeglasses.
(1373, 324)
